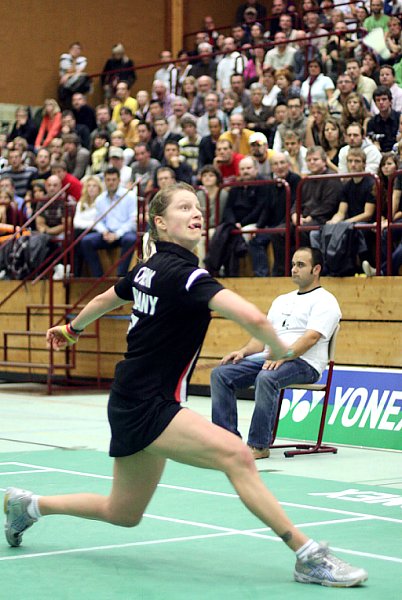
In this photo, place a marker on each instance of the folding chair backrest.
(332, 344)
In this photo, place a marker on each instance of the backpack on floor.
(25, 254)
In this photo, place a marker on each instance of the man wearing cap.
(261, 153)
(261, 11)
(116, 160)
(116, 228)
(238, 135)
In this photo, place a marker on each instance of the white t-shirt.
(293, 313)
(318, 89)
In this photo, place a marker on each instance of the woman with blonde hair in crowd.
(230, 106)
(50, 126)
(315, 124)
(21, 144)
(189, 90)
(355, 111)
(332, 142)
(85, 215)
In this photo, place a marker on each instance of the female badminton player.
(172, 299)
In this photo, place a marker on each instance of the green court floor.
(197, 541)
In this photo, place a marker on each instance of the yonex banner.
(365, 409)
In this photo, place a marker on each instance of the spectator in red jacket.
(60, 169)
(227, 161)
(51, 124)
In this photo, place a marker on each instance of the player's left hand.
(57, 338)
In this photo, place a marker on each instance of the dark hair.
(384, 179)
(381, 90)
(61, 164)
(102, 106)
(147, 125)
(71, 138)
(67, 113)
(126, 110)
(295, 96)
(112, 171)
(316, 256)
(211, 169)
(356, 124)
(315, 61)
(166, 168)
(390, 67)
(142, 145)
(172, 143)
(337, 125)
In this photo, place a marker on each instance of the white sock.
(305, 551)
(33, 508)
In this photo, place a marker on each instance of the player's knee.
(128, 520)
(240, 459)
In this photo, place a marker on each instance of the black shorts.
(135, 423)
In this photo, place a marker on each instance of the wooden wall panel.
(36, 32)
(371, 329)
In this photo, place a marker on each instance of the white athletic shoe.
(58, 272)
(368, 269)
(17, 518)
(324, 568)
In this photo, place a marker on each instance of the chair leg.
(318, 447)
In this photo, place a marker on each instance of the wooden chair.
(314, 387)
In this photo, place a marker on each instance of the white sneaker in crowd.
(368, 269)
(58, 272)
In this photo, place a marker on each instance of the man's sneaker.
(259, 452)
(368, 269)
(326, 569)
(17, 518)
(58, 272)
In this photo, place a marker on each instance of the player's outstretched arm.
(234, 307)
(61, 336)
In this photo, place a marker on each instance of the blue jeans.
(227, 378)
(92, 242)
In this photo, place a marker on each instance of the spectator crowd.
(283, 96)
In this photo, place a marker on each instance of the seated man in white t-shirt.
(305, 320)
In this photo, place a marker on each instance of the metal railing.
(392, 226)
(372, 226)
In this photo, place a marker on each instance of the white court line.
(212, 493)
(334, 521)
(223, 532)
(114, 546)
(25, 472)
(226, 531)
